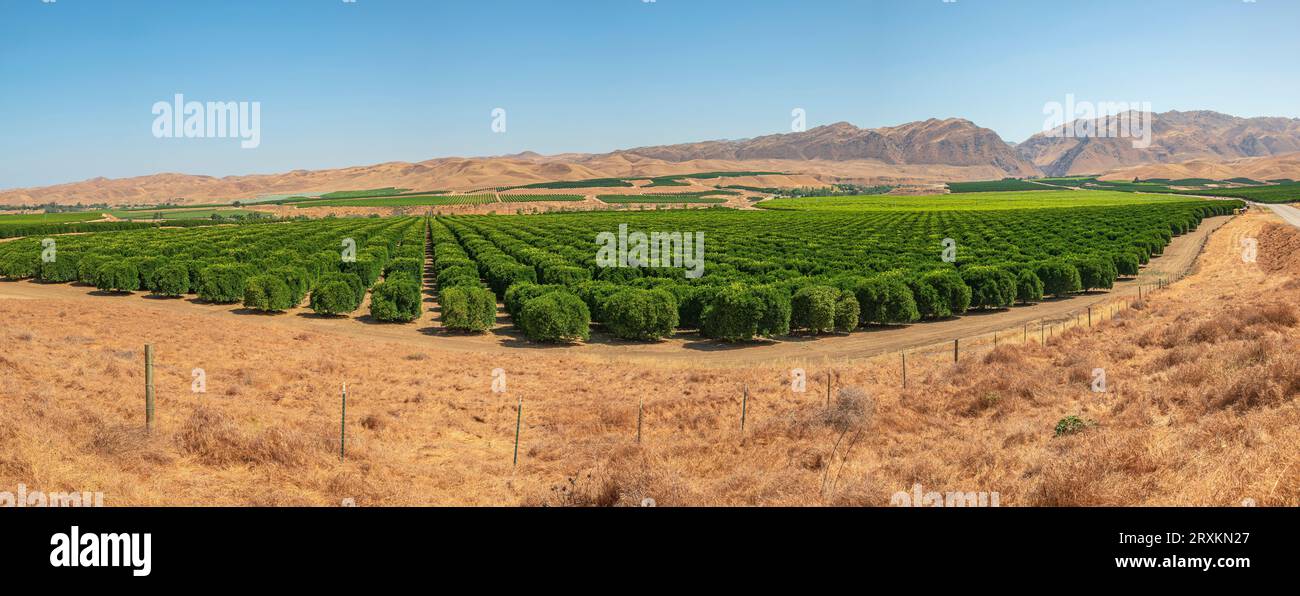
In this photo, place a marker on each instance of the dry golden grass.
(1199, 409)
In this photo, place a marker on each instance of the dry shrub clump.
(215, 439)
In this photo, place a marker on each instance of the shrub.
(298, 280)
(1126, 263)
(396, 299)
(267, 293)
(1028, 287)
(691, 304)
(468, 308)
(594, 293)
(564, 275)
(1059, 278)
(846, 312)
(951, 288)
(522, 292)
(222, 283)
(118, 276)
(458, 275)
(641, 314)
(62, 269)
(1071, 424)
(408, 265)
(145, 267)
(1096, 272)
(814, 308)
(172, 279)
(941, 293)
(366, 267)
(775, 318)
(556, 316)
(351, 281)
(21, 264)
(88, 268)
(990, 287)
(334, 297)
(732, 314)
(503, 272)
(928, 301)
(885, 299)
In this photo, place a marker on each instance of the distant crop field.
(1280, 193)
(659, 199)
(1009, 184)
(990, 201)
(402, 201)
(150, 214)
(50, 218)
(521, 198)
(357, 194)
(591, 183)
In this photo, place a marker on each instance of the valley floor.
(1198, 407)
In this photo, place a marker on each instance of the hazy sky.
(353, 83)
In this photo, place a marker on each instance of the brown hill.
(1256, 168)
(482, 172)
(1176, 137)
(953, 141)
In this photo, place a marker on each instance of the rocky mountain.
(1176, 137)
(951, 141)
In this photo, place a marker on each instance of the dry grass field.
(1199, 409)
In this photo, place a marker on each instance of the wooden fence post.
(148, 388)
(343, 423)
(744, 405)
(640, 410)
(904, 354)
(955, 344)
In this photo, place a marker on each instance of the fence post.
(828, 389)
(343, 423)
(744, 404)
(640, 409)
(519, 417)
(148, 388)
(1042, 335)
(1090, 316)
(904, 354)
(954, 349)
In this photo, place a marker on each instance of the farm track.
(686, 348)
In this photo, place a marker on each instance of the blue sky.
(381, 80)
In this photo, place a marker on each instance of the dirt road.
(686, 348)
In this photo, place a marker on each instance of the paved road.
(1286, 212)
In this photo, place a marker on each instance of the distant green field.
(659, 199)
(590, 183)
(990, 201)
(50, 218)
(1279, 193)
(1008, 184)
(401, 201)
(357, 194)
(522, 198)
(148, 214)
